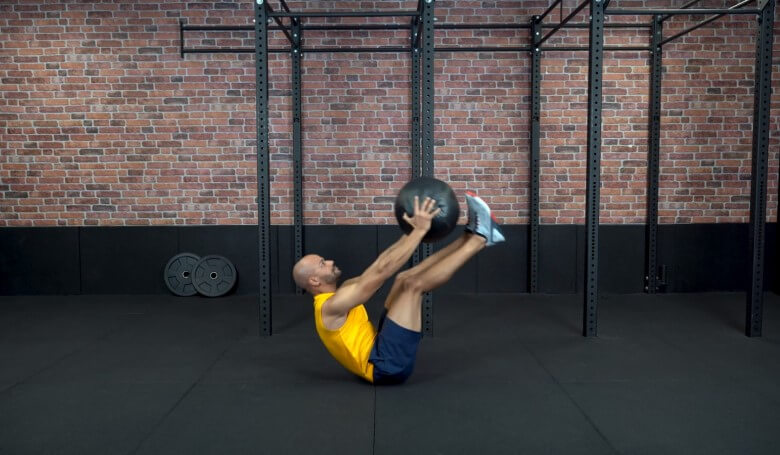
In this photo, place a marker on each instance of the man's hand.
(422, 215)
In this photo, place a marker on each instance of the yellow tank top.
(351, 344)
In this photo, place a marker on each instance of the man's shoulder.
(324, 296)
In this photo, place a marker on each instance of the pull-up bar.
(526, 26)
(672, 12)
(705, 22)
(541, 49)
(389, 49)
(348, 14)
(345, 27)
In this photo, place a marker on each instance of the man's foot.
(481, 221)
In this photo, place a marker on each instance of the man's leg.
(396, 343)
(426, 264)
(404, 304)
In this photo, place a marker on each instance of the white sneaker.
(481, 221)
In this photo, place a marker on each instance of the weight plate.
(178, 274)
(214, 276)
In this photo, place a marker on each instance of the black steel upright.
(295, 57)
(263, 201)
(653, 157)
(761, 106)
(415, 146)
(427, 132)
(536, 109)
(595, 80)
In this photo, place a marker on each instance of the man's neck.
(326, 289)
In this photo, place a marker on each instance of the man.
(386, 355)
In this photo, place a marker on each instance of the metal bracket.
(659, 280)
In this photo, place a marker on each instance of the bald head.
(315, 274)
(304, 270)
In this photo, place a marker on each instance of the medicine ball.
(437, 190)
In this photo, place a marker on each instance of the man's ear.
(314, 281)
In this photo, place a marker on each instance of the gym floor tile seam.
(573, 401)
(184, 396)
(62, 359)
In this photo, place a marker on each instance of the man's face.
(327, 271)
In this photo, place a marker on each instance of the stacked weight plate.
(187, 274)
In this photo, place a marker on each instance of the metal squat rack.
(421, 26)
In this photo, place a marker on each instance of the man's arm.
(354, 280)
(358, 290)
(385, 266)
(350, 281)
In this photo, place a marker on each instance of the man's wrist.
(417, 232)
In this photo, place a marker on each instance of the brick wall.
(103, 123)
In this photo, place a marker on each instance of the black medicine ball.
(437, 190)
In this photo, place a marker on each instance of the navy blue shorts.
(394, 352)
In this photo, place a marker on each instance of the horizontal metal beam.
(355, 49)
(705, 22)
(406, 49)
(347, 14)
(543, 49)
(464, 26)
(618, 25)
(241, 50)
(606, 48)
(337, 27)
(221, 28)
(526, 26)
(231, 50)
(653, 12)
(483, 49)
(480, 26)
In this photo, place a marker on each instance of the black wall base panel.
(120, 260)
(713, 257)
(130, 260)
(621, 258)
(39, 261)
(560, 253)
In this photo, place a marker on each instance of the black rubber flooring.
(504, 374)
